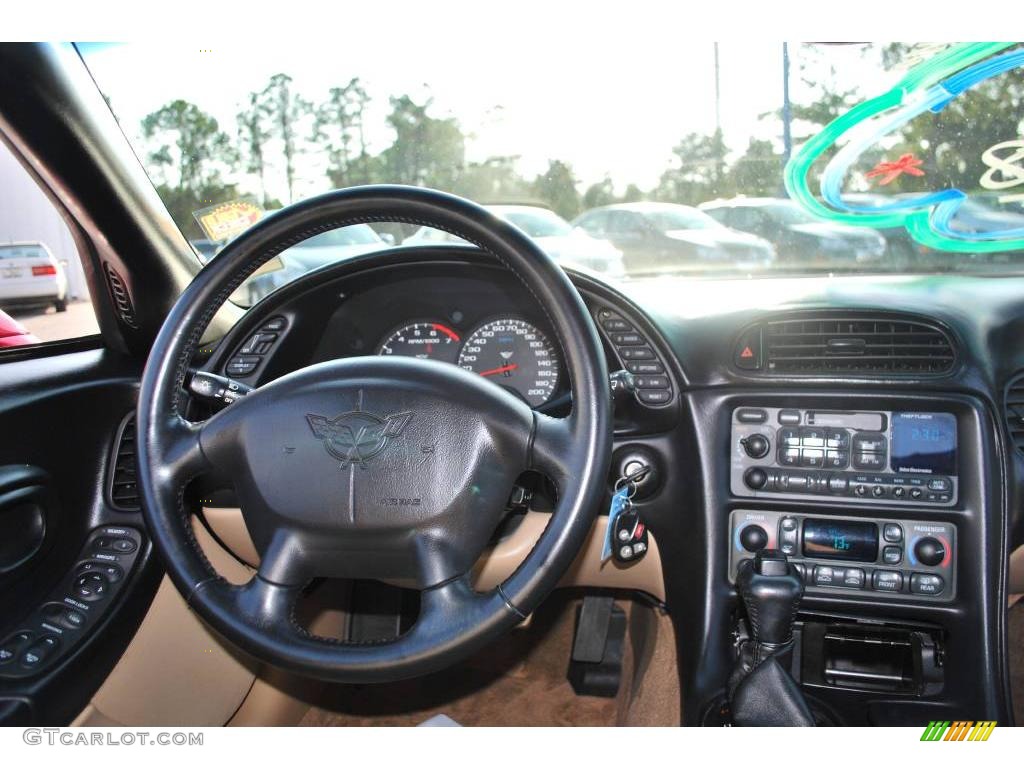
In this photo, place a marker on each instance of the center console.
(883, 505)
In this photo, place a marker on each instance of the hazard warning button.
(748, 350)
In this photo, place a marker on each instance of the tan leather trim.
(175, 672)
(1017, 572)
(497, 564)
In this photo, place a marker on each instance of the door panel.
(59, 416)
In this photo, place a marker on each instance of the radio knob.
(756, 446)
(755, 478)
(753, 538)
(930, 551)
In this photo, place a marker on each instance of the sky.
(609, 105)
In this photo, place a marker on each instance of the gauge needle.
(496, 371)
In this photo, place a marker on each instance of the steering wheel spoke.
(552, 448)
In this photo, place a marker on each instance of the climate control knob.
(755, 478)
(930, 551)
(756, 446)
(753, 538)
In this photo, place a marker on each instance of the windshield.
(763, 136)
(360, 234)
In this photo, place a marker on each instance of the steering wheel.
(395, 469)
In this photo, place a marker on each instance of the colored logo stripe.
(959, 730)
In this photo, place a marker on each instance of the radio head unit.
(869, 457)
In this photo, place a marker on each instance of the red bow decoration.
(892, 171)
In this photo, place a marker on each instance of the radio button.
(892, 555)
(869, 442)
(887, 581)
(790, 437)
(837, 438)
(797, 483)
(916, 493)
(837, 459)
(789, 417)
(853, 578)
(838, 484)
(892, 532)
(878, 491)
(812, 437)
(789, 457)
(926, 584)
(899, 492)
(861, 490)
(939, 484)
(751, 415)
(868, 460)
(811, 457)
(755, 478)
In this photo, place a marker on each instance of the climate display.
(840, 540)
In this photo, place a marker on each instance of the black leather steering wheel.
(393, 469)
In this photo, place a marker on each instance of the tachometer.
(514, 354)
(425, 340)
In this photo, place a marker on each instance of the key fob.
(629, 538)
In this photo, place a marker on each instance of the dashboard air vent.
(124, 492)
(1014, 410)
(857, 345)
(122, 299)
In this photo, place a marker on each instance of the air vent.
(122, 299)
(855, 345)
(1014, 410)
(123, 489)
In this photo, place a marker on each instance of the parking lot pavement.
(50, 325)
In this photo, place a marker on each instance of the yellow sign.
(225, 221)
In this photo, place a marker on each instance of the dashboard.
(804, 413)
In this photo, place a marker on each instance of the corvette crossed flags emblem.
(356, 437)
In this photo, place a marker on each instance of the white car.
(568, 245)
(31, 276)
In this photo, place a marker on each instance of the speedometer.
(516, 355)
(425, 340)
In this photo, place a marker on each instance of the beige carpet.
(1015, 641)
(518, 681)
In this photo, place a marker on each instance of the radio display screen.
(840, 540)
(924, 443)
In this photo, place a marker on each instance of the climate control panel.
(867, 457)
(914, 559)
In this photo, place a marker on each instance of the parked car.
(315, 252)
(31, 276)
(798, 236)
(13, 333)
(664, 237)
(901, 250)
(568, 245)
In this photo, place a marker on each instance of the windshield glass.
(761, 137)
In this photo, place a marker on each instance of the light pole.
(787, 111)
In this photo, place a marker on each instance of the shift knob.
(771, 590)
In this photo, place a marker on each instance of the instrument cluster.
(508, 350)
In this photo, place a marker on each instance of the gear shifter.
(762, 692)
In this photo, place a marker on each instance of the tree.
(339, 123)
(557, 187)
(493, 180)
(699, 173)
(427, 151)
(189, 146)
(598, 194)
(253, 135)
(286, 110)
(191, 152)
(758, 171)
